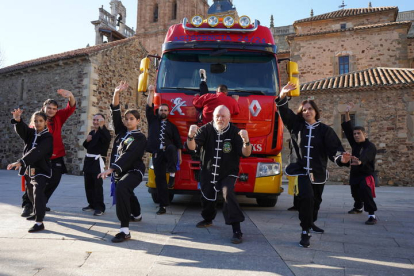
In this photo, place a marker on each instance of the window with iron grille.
(343, 64)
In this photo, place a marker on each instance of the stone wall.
(28, 89)
(350, 21)
(317, 55)
(410, 46)
(387, 116)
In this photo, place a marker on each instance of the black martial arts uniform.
(163, 142)
(126, 161)
(36, 164)
(365, 152)
(312, 146)
(220, 153)
(97, 150)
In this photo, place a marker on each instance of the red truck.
(242, 55)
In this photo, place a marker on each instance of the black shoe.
(36, 228)
(171, 182)
(33, 217)
(237, 238)
(371, 221)
(47, 209)
(87, 208)
(121, 236)
(293, 208)
(305, 240)
(355, 211)
(316, 229)
(162, 210)
(27, 211)
(98, 213)
(204, 224)
(135, 219)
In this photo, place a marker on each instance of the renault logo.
(255, 108)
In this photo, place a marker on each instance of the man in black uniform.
(221, 145)
(97, 145)
(362, 164)
(165, 145)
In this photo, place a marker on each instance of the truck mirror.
(293, 76)
(217, 68)
(143, 77)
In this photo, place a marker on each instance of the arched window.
(155, 13)
(174, 10)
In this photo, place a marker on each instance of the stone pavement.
(77, 243)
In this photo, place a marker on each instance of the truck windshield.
(242, 72)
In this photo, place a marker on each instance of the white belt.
(98, 156)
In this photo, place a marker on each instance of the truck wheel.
(155, 197)
(267, 201)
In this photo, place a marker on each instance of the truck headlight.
(213, 21)
(244, 21)
(196, 21)
(267, 169)
(228, 21)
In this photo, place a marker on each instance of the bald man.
(221, 144)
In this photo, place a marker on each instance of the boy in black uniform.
(35, 163)
(97, 145)
(126, 164)
(165, 145)
(362, 164)
(221, 145)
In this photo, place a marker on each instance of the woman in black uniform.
(126, 164)
(313, 143)
(35, 164)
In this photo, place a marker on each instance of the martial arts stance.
(313, 143)
(35, 164)
(165, 145)
(362, 164)
(97, 145)
(55, 120)
(221, 145)
(126, 164)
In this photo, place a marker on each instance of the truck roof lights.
(213, 21)
(197, 21)
(228, 21)
(244, 21)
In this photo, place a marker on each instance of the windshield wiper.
(255, 92)
(181, 88)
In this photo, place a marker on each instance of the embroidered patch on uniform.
(129, 141)
(227, 147)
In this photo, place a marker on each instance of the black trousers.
(58, 168)
(94, 191)
(309, 201)
(362, 195)
(164, 162)
(231, 209)
(36, 194)
(126, 201)
(25, 198)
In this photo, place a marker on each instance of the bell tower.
(154, 17)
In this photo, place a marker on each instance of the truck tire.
(267, 201)
(154, 196)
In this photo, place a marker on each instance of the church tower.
(154, 17)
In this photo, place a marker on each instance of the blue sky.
(32, 29)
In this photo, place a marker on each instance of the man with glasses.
(165, 145)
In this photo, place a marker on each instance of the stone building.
(156, 16)
(384, 105)
(90, 73)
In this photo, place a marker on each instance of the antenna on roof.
(369, 4)
(343, 5)
(271, 21)
(311, 13)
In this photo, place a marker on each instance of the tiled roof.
(363, 27)
(346, 13)
(63, 56)
(366, 79)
